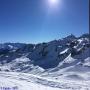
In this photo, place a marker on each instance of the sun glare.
(53, 2)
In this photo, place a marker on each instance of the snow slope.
(22, 85)
(24, 81)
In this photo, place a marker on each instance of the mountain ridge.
(38, 58)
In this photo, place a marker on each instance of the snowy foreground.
(22, 81)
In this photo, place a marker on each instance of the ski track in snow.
(31, 82)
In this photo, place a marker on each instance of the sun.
(54, 5)
(53, 2)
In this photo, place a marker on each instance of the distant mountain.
(45, 57)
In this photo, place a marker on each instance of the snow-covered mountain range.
(57, 54)
(62, 64)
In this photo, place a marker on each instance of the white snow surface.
(23, 81)
(64, 51)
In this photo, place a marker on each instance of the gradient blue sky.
(32, 21)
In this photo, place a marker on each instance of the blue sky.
(33, 21)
